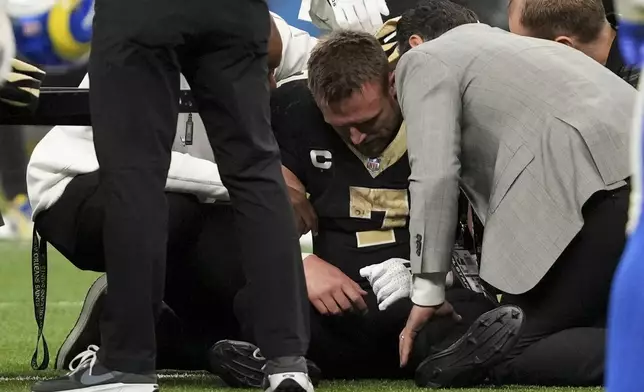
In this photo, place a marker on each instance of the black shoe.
(467, 362)
(86, 331)
(91, 376)
(240, 364)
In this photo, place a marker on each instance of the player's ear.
(415, 40)
(562, 39)
(392, 83)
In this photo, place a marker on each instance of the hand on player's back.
(330, 290)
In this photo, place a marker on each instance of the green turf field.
(67, 288)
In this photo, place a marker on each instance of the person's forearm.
(434, 147)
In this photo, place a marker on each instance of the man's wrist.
(428, 289)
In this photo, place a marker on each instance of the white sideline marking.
(161, 376)
(55, 304)
(21, 378)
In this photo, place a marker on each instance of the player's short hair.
(430, 19)
(342, 62)
(548, 19)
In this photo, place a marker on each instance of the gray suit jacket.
(528, 128)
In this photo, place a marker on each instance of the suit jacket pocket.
(509, 166)
(607, 143)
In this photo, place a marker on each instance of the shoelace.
(83, 358)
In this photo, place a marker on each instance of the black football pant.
(139, 48)
(356, 346)
(203, 270)
(351, 346)
(563, 341)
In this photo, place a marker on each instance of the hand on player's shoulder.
(330, 290)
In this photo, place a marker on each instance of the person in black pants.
(203, 272)
(139, 48)
(567, 310)
(563, 339)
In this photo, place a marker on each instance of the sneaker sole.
(291, 386)
(119, 387)
(244, 375)
(92, 296)
(485, 344)
(237, 375)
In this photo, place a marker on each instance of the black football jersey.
(362, 204)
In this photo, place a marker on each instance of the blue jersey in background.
(289, 10)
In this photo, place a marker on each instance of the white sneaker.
(89, 375)
(288, 382)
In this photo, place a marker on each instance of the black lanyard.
(39, 278)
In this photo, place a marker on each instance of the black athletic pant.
(563, 341)
(138, 49)
(203, 270)
(366, 346)
(351, 346)
(13, 161)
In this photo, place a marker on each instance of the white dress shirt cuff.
(428, 289)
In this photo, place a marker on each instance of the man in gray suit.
(536, 134)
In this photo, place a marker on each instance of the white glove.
(390, 280)
(363, 15)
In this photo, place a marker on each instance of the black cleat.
(240, 364)
(86, 331)
(467, 362)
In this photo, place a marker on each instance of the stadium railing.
(68, 106)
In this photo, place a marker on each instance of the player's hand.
(22, 87)
(391, 280)
(305, 216)
(363, 15)
(418, 317)
(330, 290)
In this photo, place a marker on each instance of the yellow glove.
(22, 87)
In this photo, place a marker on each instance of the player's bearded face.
(369, 119)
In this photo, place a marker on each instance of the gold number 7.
(393, 202)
